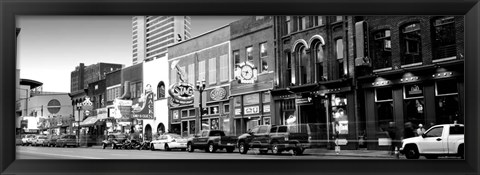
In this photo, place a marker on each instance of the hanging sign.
(218, 94)
(144, 109)
(251, 110)
(182, 93)
(246, 72)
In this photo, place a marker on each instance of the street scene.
(240, 87)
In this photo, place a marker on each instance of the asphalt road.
(29, 152)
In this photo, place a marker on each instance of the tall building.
(152, 34)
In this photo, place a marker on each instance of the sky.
(50, 47)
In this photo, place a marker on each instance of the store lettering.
(251, 110)
(182, 91)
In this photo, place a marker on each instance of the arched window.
(319, 58)
(303, 66)
(411, 44)
(339, 55)
(161, 90)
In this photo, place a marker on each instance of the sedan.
(168, 142)
(66, 140)
(51, 140)
(39, 139)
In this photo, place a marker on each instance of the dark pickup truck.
(211, 140)
(276, 138)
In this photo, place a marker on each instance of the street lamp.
(79, 108)
(200, 87)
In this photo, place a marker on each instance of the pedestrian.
(408, 131)
(420, 130)
(392, 133)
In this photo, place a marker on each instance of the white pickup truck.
(439, 140)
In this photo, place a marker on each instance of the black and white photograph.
(240, 87)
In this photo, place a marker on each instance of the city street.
(28, 152)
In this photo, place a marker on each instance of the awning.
(89, 121)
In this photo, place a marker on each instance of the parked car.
(211, 140)
(27, 139)
(18, 140)
(439, 140)
(169, 141)
(51, 140)
(66, 140)
(276, 138)
(38, 140)
(114, 140)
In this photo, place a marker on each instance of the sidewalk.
(355, 153)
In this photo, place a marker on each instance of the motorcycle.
(145, 145)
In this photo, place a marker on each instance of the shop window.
(319, 58)
(214, 124)
(185, 128)
(264, 57)
(411, 41)
(339, 114)
(383, 94)
(266, 121)
(213, 110)
(447, 102)
(339, 56)
(191, 127)
(382, 50)
(184, 113)
(226, 109)
(191, 112)
(444, 40)
(251, 99)
(384, 107)
(175, 114)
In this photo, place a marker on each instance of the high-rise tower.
(152, 34)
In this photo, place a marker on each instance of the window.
(212, 71)
(273, 129)
(383, 94)
(262, 129)
(191, 74)
(213, 110)
(290, 75)
(447, 102)
(282, 129)
(184, 113)
(192, 126)
(191, 112)
(444, 43)
(435, 132)
(319, 57)
(224, 68)
(249, 54)
(338, 18)
(201, 71)
(339, 56)
(264, 57)
(226, 109)
(411, 41)
(214, 124)
(302, 23)
(384, 107)
(382, 56)
(318, 20)
(288, 24)
(303, 68)
(457, 130)
(236, 57)
(161, 90)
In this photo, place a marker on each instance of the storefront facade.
(200, 60)
(414, 75)
(314, 83)
(252, 49)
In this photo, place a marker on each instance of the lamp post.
(200, 87)
(79, 108)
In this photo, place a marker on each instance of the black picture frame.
(9, 9)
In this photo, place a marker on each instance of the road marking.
(84, 157)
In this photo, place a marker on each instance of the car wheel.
(152, 147)
(211, 148)
(297, 151)
(411, 152)
(104, 146)
(113, 146)
(167, 148)
(242, 148)
(275, 149)
(190, 147)
(230, 150)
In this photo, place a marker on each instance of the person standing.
(392, 133)
(420, 130)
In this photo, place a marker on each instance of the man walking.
(420, 130)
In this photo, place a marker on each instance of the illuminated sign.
(182, 93)
(218, 94)
(251, 110)
(246, 73)
(144, 109)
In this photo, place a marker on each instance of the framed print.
(78, 76)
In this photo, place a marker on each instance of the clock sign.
(246, 73)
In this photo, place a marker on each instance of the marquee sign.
(218, 94)
(182, 93)
(246, 73)
(144, 109)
